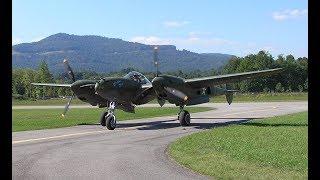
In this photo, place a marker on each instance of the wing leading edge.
(229, 78)
(52, 85)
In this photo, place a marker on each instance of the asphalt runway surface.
(136, 149)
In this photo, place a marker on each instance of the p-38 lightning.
(135, 89)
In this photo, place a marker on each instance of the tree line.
(23, 89)
(293, 78)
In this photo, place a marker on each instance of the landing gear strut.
(108, 118)
(184, 117)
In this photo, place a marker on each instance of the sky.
(237, 27)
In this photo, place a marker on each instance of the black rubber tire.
(103, 118)
(184, 118)
(111, 122)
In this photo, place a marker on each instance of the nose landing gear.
(184, 117)
(108, 118)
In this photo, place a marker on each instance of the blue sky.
(233, 27)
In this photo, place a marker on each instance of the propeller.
(156, 64)
(161, 101)
(155, 59)
(71, 76)
(158, 83)
(69, 70)
(66, 108)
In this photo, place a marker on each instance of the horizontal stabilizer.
(51, 85)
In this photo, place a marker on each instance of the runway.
(135, 150)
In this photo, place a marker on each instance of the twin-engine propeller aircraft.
(135, 89)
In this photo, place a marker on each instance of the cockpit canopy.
(138, 77)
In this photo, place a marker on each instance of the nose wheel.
(184, 117)
(108, 118)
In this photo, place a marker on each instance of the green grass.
(238, 97)
(23, 120)
(263, 97)
(273, 148)
(57, 101)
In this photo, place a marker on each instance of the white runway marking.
(57, 137)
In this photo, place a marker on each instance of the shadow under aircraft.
(134, 89)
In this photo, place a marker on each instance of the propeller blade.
(161, 101)
(176, 93)
(155, 60)
(69, 70)
(66, 108)
(229, 97)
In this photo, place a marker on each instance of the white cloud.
(289, 14)
(205, 44)
(37, 39)
(16, 41)
(175, 24)
(183, 43)
(200, 33)
(152, 40)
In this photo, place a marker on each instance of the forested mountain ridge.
(102, 54)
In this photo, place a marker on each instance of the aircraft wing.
(229, 78)
(51, 84)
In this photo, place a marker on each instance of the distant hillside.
(101, 54)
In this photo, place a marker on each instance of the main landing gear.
(184, 117)
(108, 118)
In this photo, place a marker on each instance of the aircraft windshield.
(138, 77)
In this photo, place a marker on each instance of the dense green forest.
(294, 78)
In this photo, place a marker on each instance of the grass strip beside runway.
(23, 120)
(263, 97)
(272, 148)
(238, 97)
